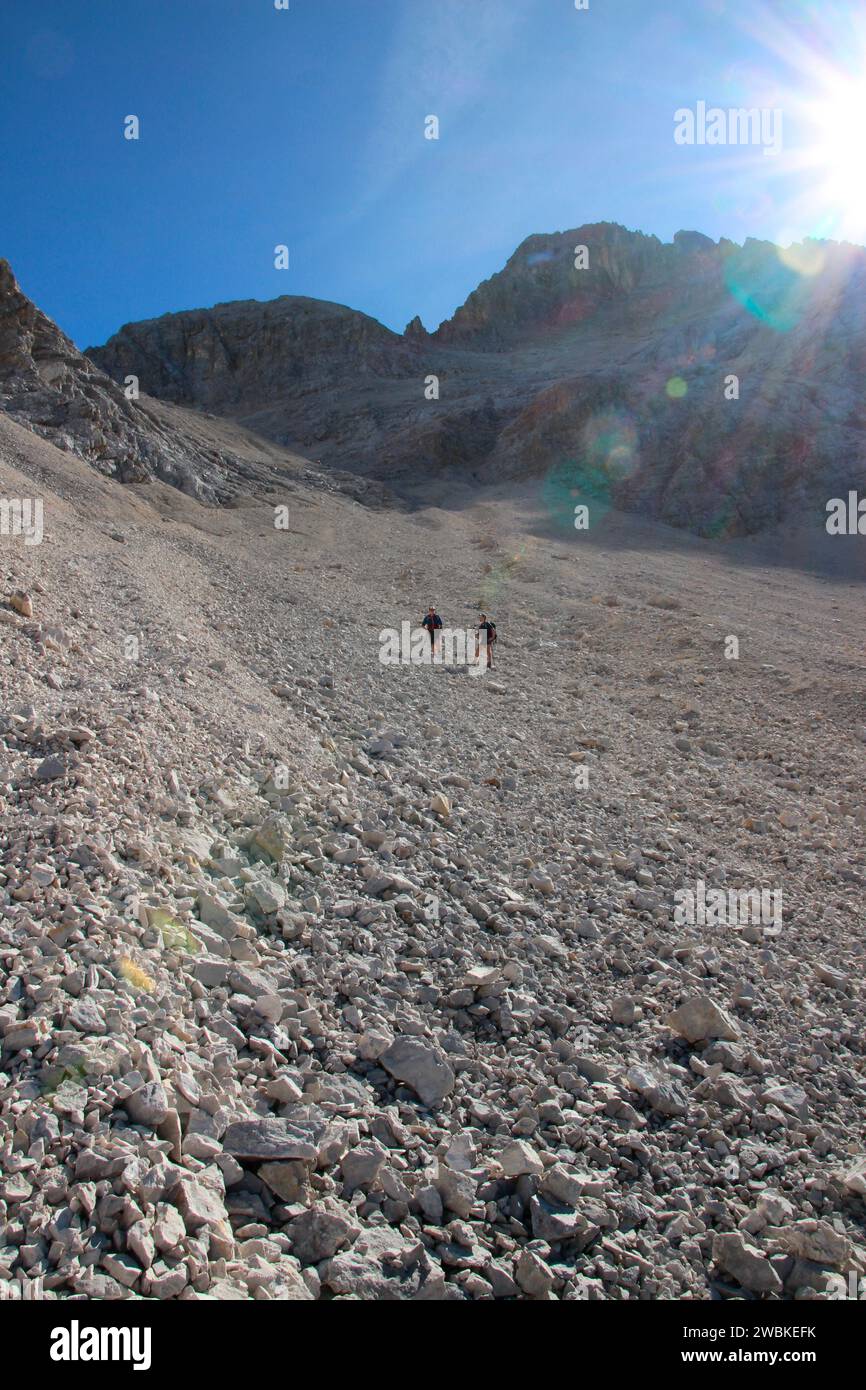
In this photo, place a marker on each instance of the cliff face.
(712, 386)
(241, 357)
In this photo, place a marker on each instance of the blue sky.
(306, 127)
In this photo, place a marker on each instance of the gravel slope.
(323, 978)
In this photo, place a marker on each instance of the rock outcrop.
(53, 389)
(237, 358)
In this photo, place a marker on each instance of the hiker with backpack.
(489, 630)
(432, 622)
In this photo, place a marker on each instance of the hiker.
(432, 622)
(489, 629)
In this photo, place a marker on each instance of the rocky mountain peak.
(415, 330)
(551, 282)
(241, 356)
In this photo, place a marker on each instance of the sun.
(814, 73)
(837, 155)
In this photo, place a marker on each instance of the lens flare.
(805, 257)
(605, 456)
(772, 291)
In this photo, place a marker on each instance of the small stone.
(23, 604)
(461, 1153)
(623, 1010)
(290, 1181)
(457, 1190)
(541, 882)
(745, 1263)
(533, 1275)
(360, 1167)
(199, 1205)
(318, 1234)
(283, 1089)
(269, 1139)
(273, 837)
(837, 979)
(265, 896)
(518, 1158)
(661, 1092)
(51, 768)
(139, 1241)
(123, 1268)
(86, 1017)
(699, 1018)
(555, 1224)
(420, 1065)
(854, 1178)
(431, 1204)
(148, 1105)
(817, 1241)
